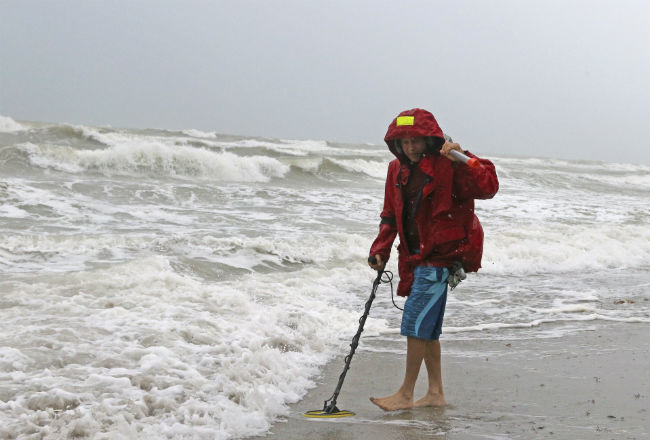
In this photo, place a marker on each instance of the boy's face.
(413, 148)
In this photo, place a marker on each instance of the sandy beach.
(593, 384)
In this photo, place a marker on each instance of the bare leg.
(435, 395)
(403, 398)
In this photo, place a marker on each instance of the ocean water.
(185, 284)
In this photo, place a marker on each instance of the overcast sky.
(556, 78)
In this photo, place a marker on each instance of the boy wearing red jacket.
(429, 203)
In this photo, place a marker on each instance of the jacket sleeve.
(388, 225)
(475, 183)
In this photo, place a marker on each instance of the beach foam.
(179, 354)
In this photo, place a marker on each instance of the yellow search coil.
(324, 415)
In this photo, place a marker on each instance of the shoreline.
(593, 384)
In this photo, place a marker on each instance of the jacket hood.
(414, 123)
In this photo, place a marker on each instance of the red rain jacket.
(448, 228)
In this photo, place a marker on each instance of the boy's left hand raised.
(447, 147)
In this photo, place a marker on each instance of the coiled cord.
(389, 280)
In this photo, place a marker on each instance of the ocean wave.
(110, 137)
(525, 163)
(565, 248)
(194, 153)
(8, 125)
(80, 132)
(325, 165)
(244, 252)
(594, 180)
(200, 134)
(22, 253)
(156, 158)
(63, 253)
(307, 148)
(372, 168)
(538, 322)
(10, 211)
(640, 181)
(290, 147)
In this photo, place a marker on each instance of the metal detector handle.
(471, 162)
(373, 260)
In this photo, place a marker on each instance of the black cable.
(389, 279)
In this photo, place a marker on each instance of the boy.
(429, 202)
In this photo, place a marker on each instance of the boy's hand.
(379, 266)
(447, 147)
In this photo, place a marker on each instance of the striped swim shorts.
(425, 306)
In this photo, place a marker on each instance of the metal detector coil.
(325, 415)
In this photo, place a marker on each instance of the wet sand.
(593, 384)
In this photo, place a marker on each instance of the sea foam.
(565, 248)
(138, 345)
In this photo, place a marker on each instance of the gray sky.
(558, 78)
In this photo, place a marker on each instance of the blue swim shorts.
(425, 306)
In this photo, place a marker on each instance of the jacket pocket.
(448, 232)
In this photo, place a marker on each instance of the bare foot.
(394, 402)
(431, 400)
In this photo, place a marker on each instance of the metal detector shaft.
(470, 161)
(331, 407)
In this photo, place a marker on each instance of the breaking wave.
(8, 125)
(566, 248)
(156, 158)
